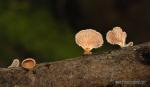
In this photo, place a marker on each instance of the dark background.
(45, 29)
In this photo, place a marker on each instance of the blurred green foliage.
(28, 32)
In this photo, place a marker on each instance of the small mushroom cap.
(15, 63)
(89, 39)
(116, 36)
(28, 63)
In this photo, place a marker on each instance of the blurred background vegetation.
(45, 29)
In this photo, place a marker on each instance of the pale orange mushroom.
(89, 39)
(117, 36)
(28, 63)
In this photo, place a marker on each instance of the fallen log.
(126, 67)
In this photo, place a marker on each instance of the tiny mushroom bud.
(117, 36)
(15, 63)
(28, 63)
(89, 39)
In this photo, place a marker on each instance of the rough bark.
(118, 68)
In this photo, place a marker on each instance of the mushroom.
(15, 63)
(118, 36)
(89, 39)
(28, 63)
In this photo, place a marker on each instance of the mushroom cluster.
(87, 39)
(28, 63)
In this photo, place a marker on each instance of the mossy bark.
(126, 67)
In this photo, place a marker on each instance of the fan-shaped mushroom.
(89, 39)
(117, 36)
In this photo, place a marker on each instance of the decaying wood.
(127, 67)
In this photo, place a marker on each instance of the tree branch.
(118, 68)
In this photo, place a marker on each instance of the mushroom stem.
(87, 51)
